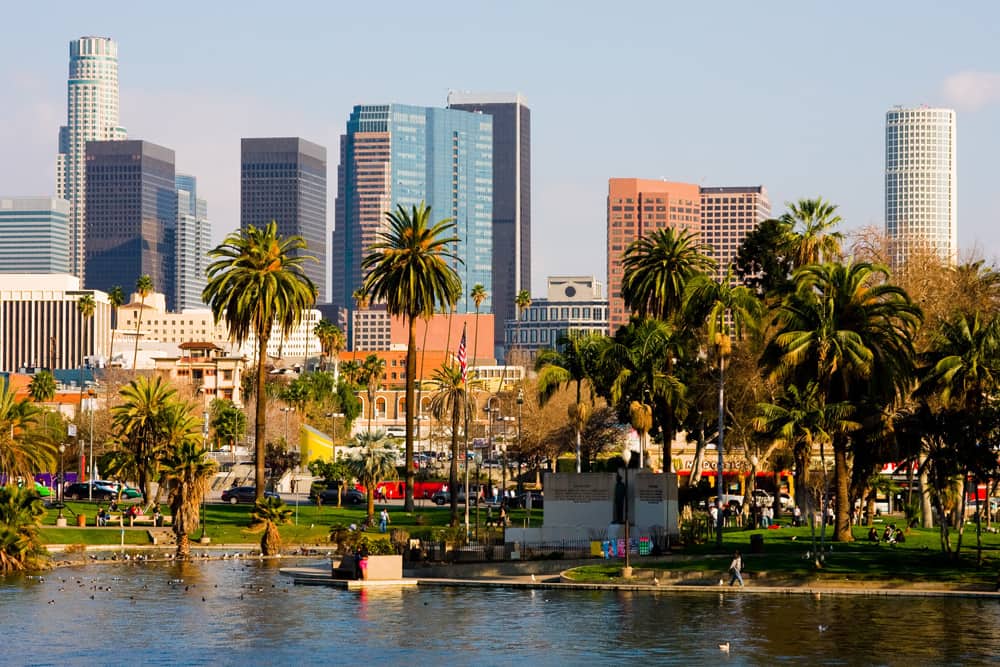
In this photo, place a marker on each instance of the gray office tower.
(131, 216)
(193, 241)
(511, 198)
(284, 179)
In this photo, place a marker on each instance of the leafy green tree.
(21, 512)
(850, 330)
(763, 261)
(256, 281)
(20, 455)
(573, 364)
(269, 513)
(374, 463)
(188, 471)
(143, 287)
(228, 422)
(410, 269)
(656, 270)
(451, 400)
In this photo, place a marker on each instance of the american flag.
(462, 360)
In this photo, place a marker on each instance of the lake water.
(234, 612)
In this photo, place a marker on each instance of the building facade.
(41, 325)
(374, 330)
(921, 183)
(91, 115)
(34, 235)
(206, 369)
(511, 198)
(573, 305)
(728, 214)
(284, 179)
(636, 207)
(193, 240)
(131, 216)
(397, 155)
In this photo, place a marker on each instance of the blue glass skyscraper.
(396, 154)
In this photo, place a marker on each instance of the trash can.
(81, 520)
(756, 544)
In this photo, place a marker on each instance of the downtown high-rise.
(192, 242)
(92, 115)
(921, 184)
(394, 154)
(284, 179)
(511, 198)
(131, 216)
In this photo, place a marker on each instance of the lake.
(245, 612)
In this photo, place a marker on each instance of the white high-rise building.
(921, 185)
(193, 240)
(92, 115)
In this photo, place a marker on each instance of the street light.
(489, 416)
(92, 402)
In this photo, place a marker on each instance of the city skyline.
(806, 126)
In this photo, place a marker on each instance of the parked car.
(129, 492)
(351, 496)
(444, 497)
(244, 494)
(42, 490)
(81, 491)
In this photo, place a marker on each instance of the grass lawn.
(917, 561)
(229, 524)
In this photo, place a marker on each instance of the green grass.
(229, 524)
(918, 560)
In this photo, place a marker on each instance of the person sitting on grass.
(873, 534)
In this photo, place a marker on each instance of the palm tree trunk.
(453, 470)
(411, 376)
(843, 532)
(423, 367)
(183, 544)
(138, 329)
(258, 427)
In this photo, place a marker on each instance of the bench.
(148, 519)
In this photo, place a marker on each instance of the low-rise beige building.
(207, 369)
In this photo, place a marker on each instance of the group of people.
(104, 516)
(502, 521)
(891, 535)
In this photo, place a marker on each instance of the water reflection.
(232, 612)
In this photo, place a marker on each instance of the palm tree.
(573, 364)
(255, 282)
(325, 331)
(20, 457)
(641, 417)
(657, 268)
(523, 302)
(86, 306)
(811, 222)
(361, 302)
(189, 472)
(144, 287)
(451, 399)
(228, 422)
(269, 513)
(138, 427)
(42, 387)
(374, 463)
(727, 310)
(21, 512)
(372, 373)
(116, 297)
(410, 270)
(852, 332)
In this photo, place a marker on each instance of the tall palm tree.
(451, 399)
(42, 387)
(19, 456)
(846, 327)
(574, 363)
(374, 463)
(21, 512)
(361, 302)
(269, 513)
(812, 239)
(372, 373)
(255, 282)
(410, 270)
(189, 471)
(116, 297)
(478, 296)
(143, 287)
(523, 302)
(641, 417)
(86, 306)
(657, 268)
(138, 427)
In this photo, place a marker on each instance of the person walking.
(735, 568)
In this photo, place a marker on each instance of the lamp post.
(520, 450)
(61, 520)
(92, 402)
(489, 438)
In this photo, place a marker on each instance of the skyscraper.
(728, 214)
(511, 197)
(131, 216)
(394, 154)
(637, 207)
(33, 235)
(284, 179)
(921, 185)
(192, 242)
(92, 115)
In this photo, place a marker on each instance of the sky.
(789, 95)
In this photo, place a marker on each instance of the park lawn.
(133, 536)
(917, 561)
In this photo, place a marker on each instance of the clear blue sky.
(791, 95)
